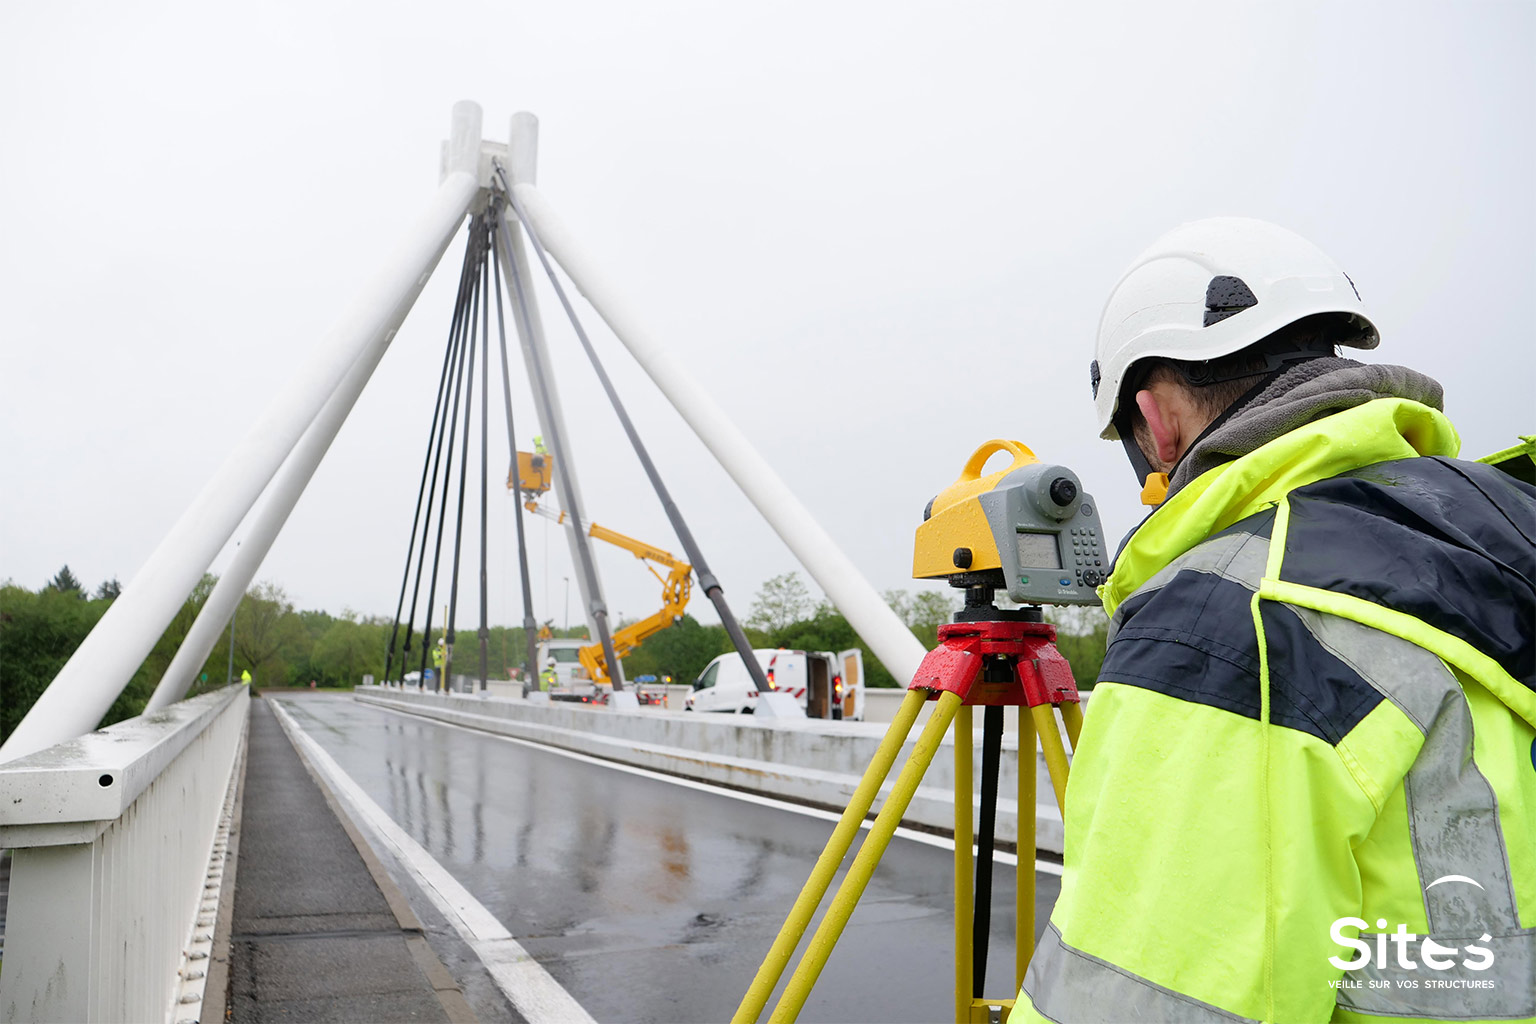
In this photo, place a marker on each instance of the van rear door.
(851, 667)
(819, 702)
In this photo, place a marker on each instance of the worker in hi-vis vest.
(439, 657)
(245, 676)
(1305, 788)
(548, 676)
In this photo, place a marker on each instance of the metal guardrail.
(111, 836)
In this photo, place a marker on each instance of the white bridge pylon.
(279, 453)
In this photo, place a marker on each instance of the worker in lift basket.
(547, 677)
(1317, 714)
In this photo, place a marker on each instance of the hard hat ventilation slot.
(1225, 296)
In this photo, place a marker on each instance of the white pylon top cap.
(1209, 288)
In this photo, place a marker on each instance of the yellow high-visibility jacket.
(1306, 784)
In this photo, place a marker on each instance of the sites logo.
(1431, 954)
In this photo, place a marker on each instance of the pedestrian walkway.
(318, 932)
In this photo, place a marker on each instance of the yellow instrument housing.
(955, 518)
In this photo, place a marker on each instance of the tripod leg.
(965, 841)
(1072, 715)
(991, 756)
(854, 883)
(1055, 753)
(1024, 888)
(831, 858)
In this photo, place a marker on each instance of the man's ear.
(1163, 422)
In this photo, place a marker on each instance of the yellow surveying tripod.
(986, 658)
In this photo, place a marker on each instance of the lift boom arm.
(676, 587)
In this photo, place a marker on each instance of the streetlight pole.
(567, 604)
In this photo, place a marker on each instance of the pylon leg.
(965, 839)
(854, 883)
(831, 858)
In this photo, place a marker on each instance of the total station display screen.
(1038, 551)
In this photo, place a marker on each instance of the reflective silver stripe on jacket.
(1505, 989)
(1453, 814)
(1239, 557)
(1082, 989)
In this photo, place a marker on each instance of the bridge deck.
(319, 931)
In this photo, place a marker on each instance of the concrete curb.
(809, 761)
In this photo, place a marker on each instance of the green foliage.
(827, 630)
(1082, 635)
(65, 583)
(781, 601)
(923, 612)
(40, 631)
(109, 590)
(681, 651)
(271, 640)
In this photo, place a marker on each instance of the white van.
(826, 685)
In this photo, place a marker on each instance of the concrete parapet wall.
(812, 761)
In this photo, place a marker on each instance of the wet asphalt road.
(650, 901)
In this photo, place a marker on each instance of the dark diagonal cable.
(428, 471)
(421, 492)
(458, 526)
(707, 581)
(485, 448)
(529, 627)
(453, 423)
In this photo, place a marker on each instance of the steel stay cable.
(453, 423)
(458, 526)
(529, 626)
(433, 442)
(707, 580)
(443, 441)
(485, 446)
(598, 610)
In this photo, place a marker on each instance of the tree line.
(282, 646)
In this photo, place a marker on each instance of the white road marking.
(926, 838)
(536, 994)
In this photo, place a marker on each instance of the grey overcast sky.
(879, 233)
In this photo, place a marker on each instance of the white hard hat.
(1210, 288)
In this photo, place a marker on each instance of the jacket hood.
(1376, 431)
(1305, 392)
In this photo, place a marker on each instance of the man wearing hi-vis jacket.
(1306, 784)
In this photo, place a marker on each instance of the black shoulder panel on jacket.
(1193, 639)
(1450, 543)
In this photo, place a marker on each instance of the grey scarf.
(1307, 391)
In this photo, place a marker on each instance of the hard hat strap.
(1133, 452)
